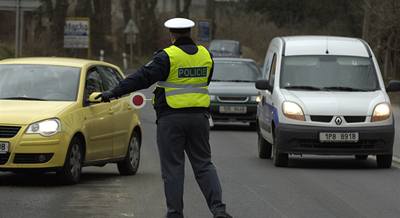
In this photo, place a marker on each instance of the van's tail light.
(137, 100)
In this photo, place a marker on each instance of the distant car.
(233, 95)
(50, 121)
(225, 48)
(324, 96)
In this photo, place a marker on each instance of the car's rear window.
(39, 82)
(335, 73)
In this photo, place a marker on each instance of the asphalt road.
(253, 188)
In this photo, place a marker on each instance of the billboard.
(76, 33)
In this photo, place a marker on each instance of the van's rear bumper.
(295, 139)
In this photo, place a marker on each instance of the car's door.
(121, 111)
(267, 105)
(98, 122)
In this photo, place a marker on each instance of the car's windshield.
(328, 73)
(39, 82)
(224, 47)
(235, 71)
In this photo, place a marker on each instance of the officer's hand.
(105, 96)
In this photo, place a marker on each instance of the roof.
(319, 45)
(233, 59)
(72, 62)
(225, 41)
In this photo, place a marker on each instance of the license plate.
(338, 137)
(233, 109)
(4, 147)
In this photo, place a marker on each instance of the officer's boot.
(222, 215)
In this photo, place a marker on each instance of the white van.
(324, 96)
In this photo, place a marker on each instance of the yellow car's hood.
(25, 112)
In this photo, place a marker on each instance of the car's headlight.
(381, 112)
(212, 97)
(256, 98)
(45, 128)
(293, 111)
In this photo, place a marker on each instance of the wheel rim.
(134, 152)
(75, 161)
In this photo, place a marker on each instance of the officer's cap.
(179, 25)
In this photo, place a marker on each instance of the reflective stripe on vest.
(187, 82)
(182, 86)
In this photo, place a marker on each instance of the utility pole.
(17, 27)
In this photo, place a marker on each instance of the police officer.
(182, 72)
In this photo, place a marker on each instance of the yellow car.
(50, 120)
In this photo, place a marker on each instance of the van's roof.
(222, 59)
(322, 45)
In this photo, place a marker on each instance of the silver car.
(232, 90)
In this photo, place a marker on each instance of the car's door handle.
(111, 111)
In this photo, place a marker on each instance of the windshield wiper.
(343, 88)
(24, 98)
(303, 87)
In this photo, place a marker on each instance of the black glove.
(105, 96)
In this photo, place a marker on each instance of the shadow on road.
(49, 179)
(343, 163)
(232, 127)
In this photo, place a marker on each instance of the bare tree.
(56, 12)
(147, 23)
(126, 10)
(381, 29)
(185, 11)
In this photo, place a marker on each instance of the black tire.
(253, 125)
(384, 161)
(279, 159)
(361, 157)
(264, 148)
(72, 169)
(130, 164)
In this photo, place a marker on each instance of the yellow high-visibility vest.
(186, 85)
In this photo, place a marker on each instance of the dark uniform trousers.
(187, 132)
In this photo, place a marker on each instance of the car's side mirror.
(263, 85)
(393, 86)
(93, 96)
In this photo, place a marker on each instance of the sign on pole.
(204, 31)
(131, 30)
(19, 7)
(23, 5)
(77, 33)
(131, 27)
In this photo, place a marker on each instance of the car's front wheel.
(384, 161)
(130, 164)
(72, 169)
